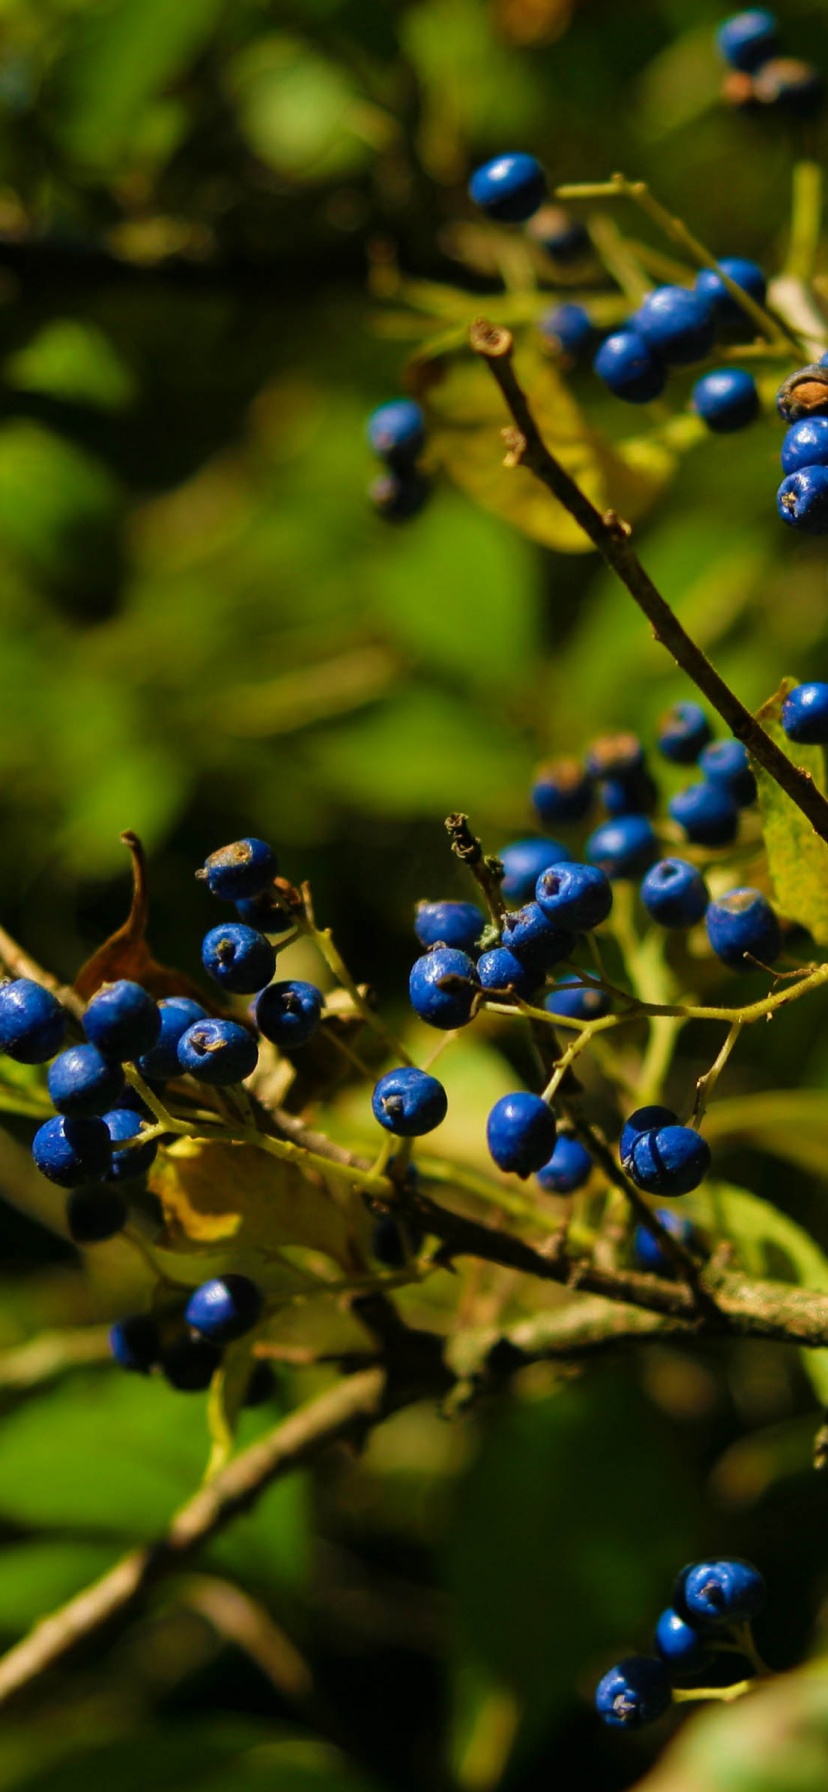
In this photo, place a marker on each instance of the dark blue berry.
(741, 928)
(449, 1006)
(569, 329)
(530, 934)
(457, 924)
(794, 87)
(802, 500)
(564, 238)
(680, 1646)
(746, 274)
(523, 861)
(805, 713)
(70, 1150)
(218, 1052)
(726, 762)
(726, 399)
(577, 1000)
(224, 1308)
(706, 812)
(634, 1692)
(238, 957)
(717, 1593)
(177, 1014)
(675, 893)
(576, 897)
(615, 756)
(123, 1124)
(32, 1022)
(629, 367)
(647, 1251)
(289, 1013)
(500, 969)
(521, 1133)
(683, 731)
(95, 1214)
(569, 1167)
(677, 324)
(409, 1102)
(189, 1364)
(135, 1342)
(669, 1160)
(508, 188)
(624, 847)
(396, 431)
(561, 792)
(395, 1241)
(122, 1020)
(635, 795)
(748, 38)
(242, 869)
(397, 497)
(262, 1385)
(643, 1120)
(82, 1081)
(263, 913)
(805, 445)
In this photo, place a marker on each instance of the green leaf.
(788, 1123)
(797, 857)
(72, 360)
(302, 113)
(122, 56)
(36, 1576)
(774, 1741)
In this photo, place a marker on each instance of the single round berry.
(177, 1013)
(675, 893)
(561, 792)
(635, 795)
(643, 1120)
(397, 496)
(535, 939)
(409, 1102)
(95, 1214)
(629, 367)
(238, 958)
(677, 324)
(625, 847)
(135, 1342)
(218, 1052)
(805, 713)
(242, 869)
(683, 731)
(575, 1000)
(746, 274)
(396, 431)
(521, 1133)
(122, 1020)
(748, 38)
(123, 1124)
(82, 1081)
(289, 1013)
(262, 1385)
(707, 813)
(743, 929)
(32, 1022)
(568, 329)
(804, 393)
(647, 1251)
(577, 897)
(508, 188)
(726, 762)
(679, 1645)
(670, 1160)
(716, 1593)
(224, 1308)
(564, 238)
(503, 971)
(802, 500)
(805, 445)
(635, 1692)
(569, 1167)
(792, 86)
(442, 987)
(395, 1241)
(457, 924)
(189, 1364)
(70, 1150)
(523, 861)
(726, 399)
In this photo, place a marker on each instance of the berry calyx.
(218, 1052)
(530, 934)
(409, 1102)
(509, 188)
(520, 1132)
(224, 1308)
(32, 1022)
(635, 1692)
(289, 1013)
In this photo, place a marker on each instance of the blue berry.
(508, 188)
(397, 496)
(224, 1308)
(177, 1013)
(238, 957)
(669, 1160)
(530, 934)
(189, 1364)
(634, 1692)
(135, 1342)
(70, 1150)
(95, 1214)
(289, 1013)
(123, 1124)
(396, 431)
(804, 393)
(500, 969)
(569, 329)
(726, 399)
(409, 1102)
(748, 38)
(242, 869)
(680, 1646)
(726, 762)
(218, 1052)
(805, 445)
(122, 1020)
(794, 87)
(624, 847)
(643, 1120)
(746, 274)
(615, 756)
(802, 500)
(577, 1000)
(647, 1251)
(395, 1241)
(263, 913)
(561, 792)
(635, 795)
(449, 1007)
(569, 1167)
(262, 1385)
(707, 813)
(576, 897)
(742, 927)
(564, 238)
(716, 1593)
(32, 1022)
(805, 713)
(683, 731)
(677, 324)
(675, 893)
(523, 861)
(457, 924)
(82, 1081)
(521, 1133)
(629, 367)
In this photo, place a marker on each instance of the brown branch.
(611, 536)
(468, 848)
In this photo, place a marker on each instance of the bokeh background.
(206, 631)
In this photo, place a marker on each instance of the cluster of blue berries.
(396, 432)
(702, 1638)
(802, 401)
(677, 325)
(758, 77)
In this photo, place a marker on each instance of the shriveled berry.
(805, 713)
(683, 731)
(238, 958)
(706, 812)
(561, 792)
(224, 1308)
(674, 893)
(635, 1692)
(32, 1022)
(95, 1214)
(521, 1133)
(122, 1020)
(509, 188)
(289, 1013)
(804, 393)
(218, 1052)
(743, 929)
(669, 1160)
(82, 1081)
(409, 1102)
(523, 861)
(569, 1167)
(442, 987)
(458, 924)
(242, 869)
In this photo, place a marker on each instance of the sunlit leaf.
(774, 1741)
(72, 360)
(122, 55)
(211, 1192)
(789, 1123)
(797, 857)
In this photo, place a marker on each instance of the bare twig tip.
(490, 339)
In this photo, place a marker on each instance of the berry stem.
(806, 221)
(707, 1083)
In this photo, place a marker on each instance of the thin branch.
(469, 850)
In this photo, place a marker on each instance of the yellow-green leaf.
(788, 1123)
(213, 1193)
(797, 857)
